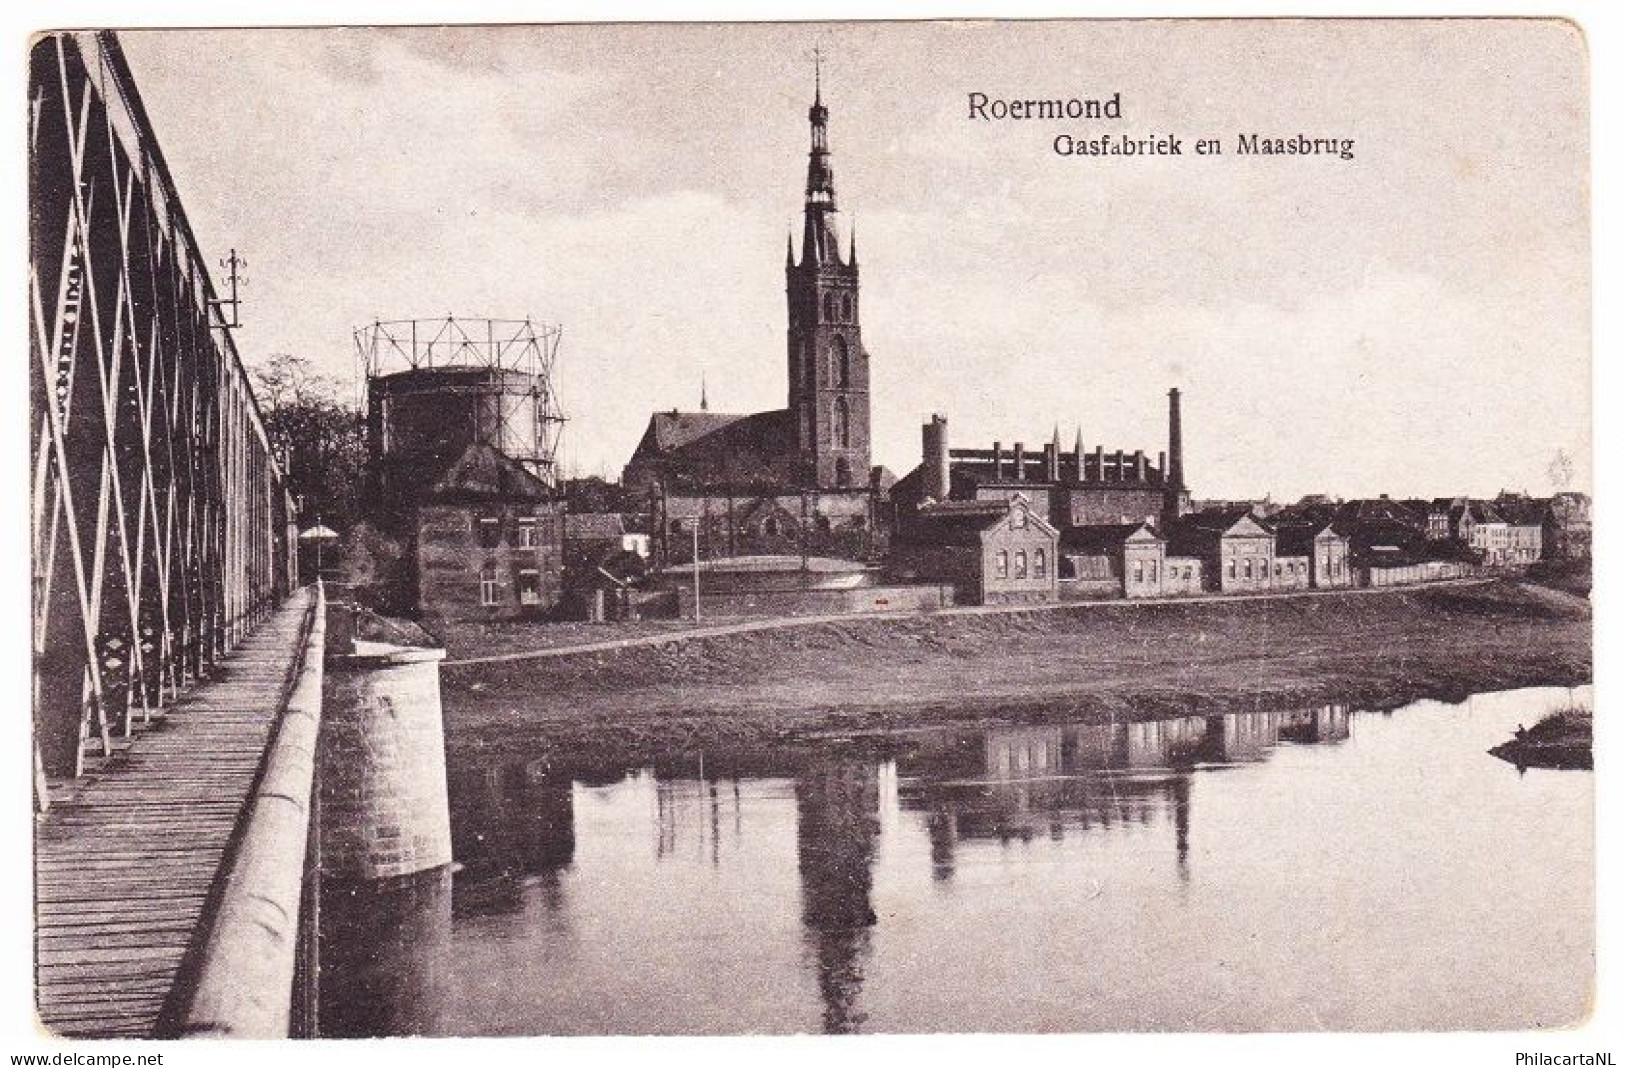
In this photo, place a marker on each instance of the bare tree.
(320, 436)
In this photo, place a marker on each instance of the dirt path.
(763, 685)
(752, 626)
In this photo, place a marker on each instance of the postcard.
(783, 528)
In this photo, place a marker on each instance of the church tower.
(829, 370)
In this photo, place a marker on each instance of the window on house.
(529, 585)
(1277, 569)
(1001, 564)
(489, 587)
(1151, 570)
(1040, 564)
(1139, 572)
(1021, 563)
(1247, 568)
(524, 533)
(488, 529)
(1232, 568)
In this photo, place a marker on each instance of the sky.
(1413, 321)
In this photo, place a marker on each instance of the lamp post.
(696, 572)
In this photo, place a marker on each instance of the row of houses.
(493, 543)
(1003, 552)
(1512, 529)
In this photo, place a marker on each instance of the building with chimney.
(1077, 488)
(796, 479)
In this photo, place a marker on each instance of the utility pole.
(696, 572)
(232, 263)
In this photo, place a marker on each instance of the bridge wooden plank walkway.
(127, 859)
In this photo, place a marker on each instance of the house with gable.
(1236, 549)
(991, 552)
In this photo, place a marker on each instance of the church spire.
(705, 403)
(819, 242)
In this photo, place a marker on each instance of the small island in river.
(1560, 740)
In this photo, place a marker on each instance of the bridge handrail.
(245, 976)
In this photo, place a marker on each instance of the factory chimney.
(1175, 498)
(1176, 448)
(934, 457)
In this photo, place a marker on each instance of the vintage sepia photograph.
(628, 529)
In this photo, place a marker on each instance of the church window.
(846, 307)
(842, 357)
(843, 474)
(1001, 564)
(829, 307)
(843, 423)
(1021, 563)
(840, 367)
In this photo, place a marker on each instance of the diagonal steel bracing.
(160, 519)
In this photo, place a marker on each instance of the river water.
(1319, 869)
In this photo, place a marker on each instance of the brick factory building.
(1069, 489)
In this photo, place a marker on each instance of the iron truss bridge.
(161, 525)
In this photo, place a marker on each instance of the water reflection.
(837, 822)
(383, 954)
(1019, 783)
(514, 824)
(1088, 875)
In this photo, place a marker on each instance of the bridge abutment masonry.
(384, 806)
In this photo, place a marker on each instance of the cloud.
(1414, 320)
